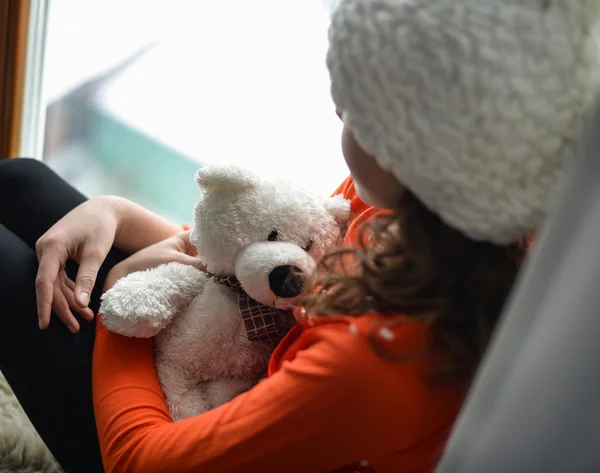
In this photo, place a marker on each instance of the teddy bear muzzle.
(274, 273)
(286, 281)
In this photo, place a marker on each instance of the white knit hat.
(474, 105)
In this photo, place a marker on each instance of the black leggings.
(50, 370)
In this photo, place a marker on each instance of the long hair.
(409, 262)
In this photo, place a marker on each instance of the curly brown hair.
(410, 262)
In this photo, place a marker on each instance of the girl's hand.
(85, 235)
(174, 249)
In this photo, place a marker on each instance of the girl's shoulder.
(347, 190)
(374, 339)
(360, 212)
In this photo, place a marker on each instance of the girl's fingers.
(68, 282)
(190, 249)
(90, 261)
(191, 261)
(49, 267)
(68, 288)
(61, 308)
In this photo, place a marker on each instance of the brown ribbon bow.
(263, 323)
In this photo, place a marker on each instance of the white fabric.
(474, 105)
(534, 404)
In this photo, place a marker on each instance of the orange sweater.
(329, 404)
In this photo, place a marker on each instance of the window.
(139, 96)
(132, 96)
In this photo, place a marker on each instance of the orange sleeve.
(320, 411)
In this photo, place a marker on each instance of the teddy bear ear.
(339, 208)
(225, 178)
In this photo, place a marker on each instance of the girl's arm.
(289, 423)
(137, 227)
(86, 235)
(324, 409)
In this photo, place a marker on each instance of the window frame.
(14, 29)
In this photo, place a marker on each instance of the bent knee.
(19, 173)
(20, 167)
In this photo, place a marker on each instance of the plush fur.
(21, 448)
(243, 226)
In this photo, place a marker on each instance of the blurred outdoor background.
(141, 93)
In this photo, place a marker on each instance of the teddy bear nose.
(286, 281)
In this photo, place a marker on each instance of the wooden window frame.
(14, 25)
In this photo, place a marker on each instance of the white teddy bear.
(214, 332)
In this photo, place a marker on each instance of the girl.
(460, 117)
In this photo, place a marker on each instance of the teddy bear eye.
(308, 246)
(273, 236)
